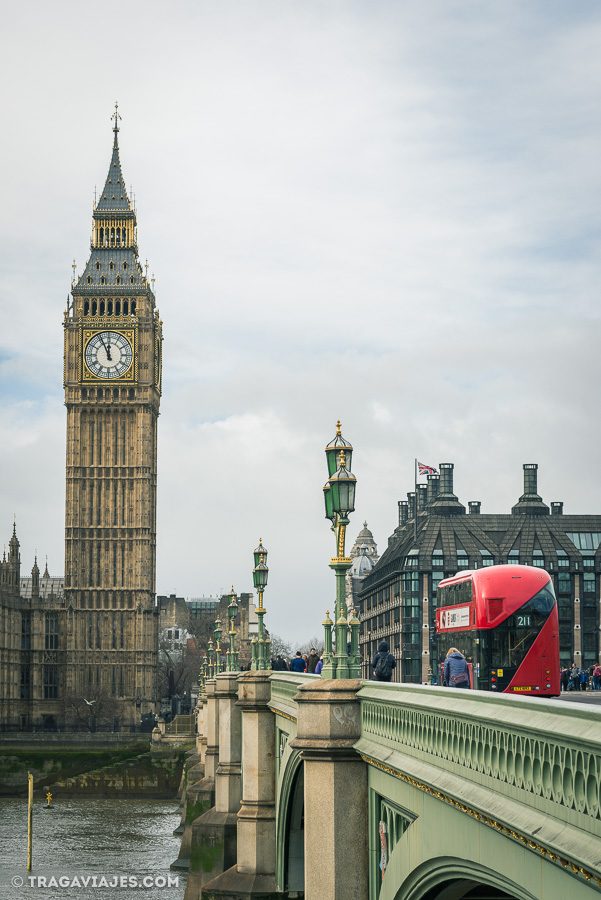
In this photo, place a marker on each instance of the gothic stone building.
(103, 638)
(32, 614)
(436, 538)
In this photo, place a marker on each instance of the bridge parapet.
(284, 687)
(528, 768)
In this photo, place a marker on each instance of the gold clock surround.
(97, 326)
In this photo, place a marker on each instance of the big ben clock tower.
(112, 382)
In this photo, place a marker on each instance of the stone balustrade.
(365, 779)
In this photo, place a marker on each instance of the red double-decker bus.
(504, 621)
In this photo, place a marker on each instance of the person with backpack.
(456, 673)
(383, 663)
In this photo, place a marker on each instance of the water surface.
(93, 839)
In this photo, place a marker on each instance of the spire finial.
(338, 426)
(116, 117)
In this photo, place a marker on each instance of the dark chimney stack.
(446, 478)
(421, 490)
(403, 512)
(557, 508)
(530, 504)
(411, 500)
(474, 507)
(433, 488)
(530, 478)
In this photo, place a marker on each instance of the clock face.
(108, 354)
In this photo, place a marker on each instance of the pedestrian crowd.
(455, 672)
(382, 665)
(574, 678)
(302, 662)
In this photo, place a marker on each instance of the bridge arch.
(290, 854)
(453, 879)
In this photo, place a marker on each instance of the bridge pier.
(254, 873)
(328, 726)
(214, 838)
(200, 797)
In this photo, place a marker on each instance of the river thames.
(89, 848)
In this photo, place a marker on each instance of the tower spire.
(113, 198)
(116, 117)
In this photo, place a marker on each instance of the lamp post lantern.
(339, 498)
(261, 646)
(232, 653)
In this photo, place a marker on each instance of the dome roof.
(362, 564)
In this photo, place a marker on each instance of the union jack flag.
(426, 470)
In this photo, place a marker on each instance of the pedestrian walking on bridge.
(456, 672)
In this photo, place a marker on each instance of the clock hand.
(108, 351)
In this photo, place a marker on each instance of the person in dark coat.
(565, 678)
(312, 661)
(456, 671)
(386, 660)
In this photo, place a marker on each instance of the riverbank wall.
(92, 768)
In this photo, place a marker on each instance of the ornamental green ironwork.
(261, 643)
(218, 659)
(232, 654)
(341, 660)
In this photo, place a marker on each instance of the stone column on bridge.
(214, 834)
(336, 808)
(254, 873)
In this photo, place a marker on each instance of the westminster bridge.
(304, 787)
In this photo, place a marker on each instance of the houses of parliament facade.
(92, 637)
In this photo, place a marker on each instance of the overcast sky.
(383, 212)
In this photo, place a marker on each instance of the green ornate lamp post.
(232, 653)
(210, 666)
(339, 497)
(261, 646)
(202, 678)
(218, 630)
